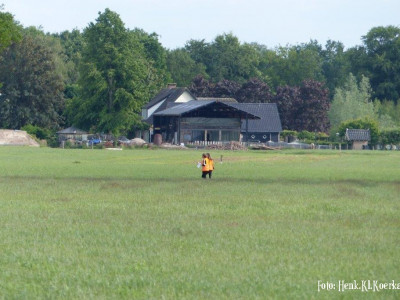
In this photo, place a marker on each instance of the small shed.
(359, 138)
(72, 133)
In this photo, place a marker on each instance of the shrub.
(390, 137)
(306, 135)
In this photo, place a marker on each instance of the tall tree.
(352, 101)
(254, 91)
(183, 68)
(304, 107)
(225, 89)
(33, 89)
(291, 65)
(286, 99)
(155, 58)
(113, 77)
(10, 30)
(72, 43)
(335, 65)
(232, 60)
(312, 111)
(226, 58)
(201, 87)
(383, 49)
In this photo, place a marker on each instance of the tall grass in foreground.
(96, 224)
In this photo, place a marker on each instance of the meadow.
(142, 224)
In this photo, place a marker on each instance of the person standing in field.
(210, 165)
(205, 168)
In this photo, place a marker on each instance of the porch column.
(247, 128)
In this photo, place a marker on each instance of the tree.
(33, 89)
(201, 87)
(155, 58)
(304, 107)
(10, 30)
(286, 98)
(225, 58)
(335, 65)
(291, 65)
(352, 101)
(183, 68)
(254, 91)
(225, 89)
(383, 50)
(72, 44)
(232, 60)
(113, 82)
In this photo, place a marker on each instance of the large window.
(213, 135)
(227, 135)
(198, 135)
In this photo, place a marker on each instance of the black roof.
(358, 135)
(269, 117)
(168, 94)
(187, 107)
(181, 108)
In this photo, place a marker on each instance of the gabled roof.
(181, 108)
(269, 117)
(358, 135)
(168, 94)
(217, 99)
(71, 130)
(191, 106)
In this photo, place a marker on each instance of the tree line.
(99, 78)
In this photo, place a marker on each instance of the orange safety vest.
(205, 164)
(211, 163)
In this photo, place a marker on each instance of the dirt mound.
(16, 138)
(138, 142)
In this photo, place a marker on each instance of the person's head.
(204, 155)
(208, 155)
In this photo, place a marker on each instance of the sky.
(271, 23)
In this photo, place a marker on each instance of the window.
(229, 136)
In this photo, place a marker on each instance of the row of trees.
(302, 107)
(98, 79)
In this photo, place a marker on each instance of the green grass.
(142, 224)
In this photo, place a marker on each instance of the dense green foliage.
(112, 77)
(108, 72)
(32, 91)
(390, 137)
(84, 224)
(352, 101)
(10, 30)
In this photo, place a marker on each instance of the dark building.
(211, 121)
(179, 117)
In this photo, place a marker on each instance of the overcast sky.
(267, 22)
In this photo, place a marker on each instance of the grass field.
(142, 224)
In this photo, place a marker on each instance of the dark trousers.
(204, 174)
(209, 174)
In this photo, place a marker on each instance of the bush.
(42, 134)
(389, 137)
(306, 135)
